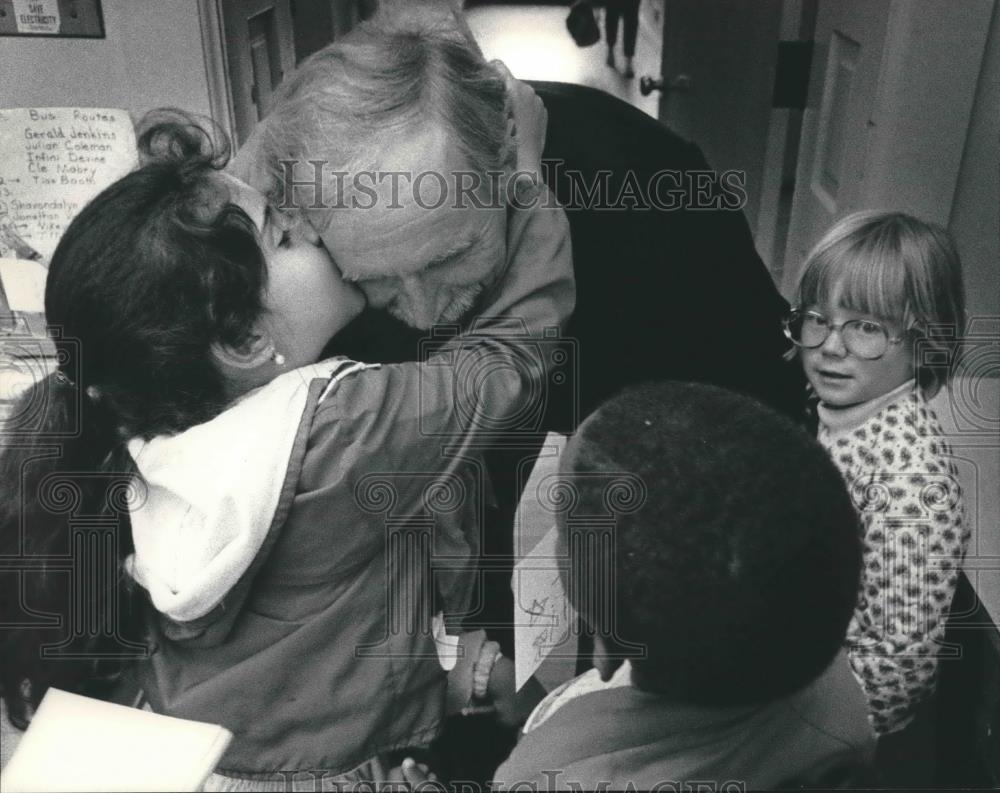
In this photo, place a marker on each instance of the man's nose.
(422, 302)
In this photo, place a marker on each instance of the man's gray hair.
(390, 74)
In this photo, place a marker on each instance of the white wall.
(975, 213)
(152, 57)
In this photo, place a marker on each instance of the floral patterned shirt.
(904, 484)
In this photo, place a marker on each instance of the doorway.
(533, 41)
(251, 45)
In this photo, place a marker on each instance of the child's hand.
(527, 123)
(411, 773)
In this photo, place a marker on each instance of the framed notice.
(81, 19)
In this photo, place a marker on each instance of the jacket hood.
(211, 493)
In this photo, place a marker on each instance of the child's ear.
(255, 352)
(605, 661)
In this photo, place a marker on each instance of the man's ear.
(255, 352)
(509, 153)
(604, 661)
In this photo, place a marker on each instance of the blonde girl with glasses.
(879, 302)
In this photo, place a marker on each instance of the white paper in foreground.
(76, 743)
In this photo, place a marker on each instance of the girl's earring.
(278, 359)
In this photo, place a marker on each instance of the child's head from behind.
(170, 293)
(891, 278)
(738, 572)
(177, 281)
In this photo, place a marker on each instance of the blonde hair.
(898, 268)
(382, 81)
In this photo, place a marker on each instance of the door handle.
(648, 84)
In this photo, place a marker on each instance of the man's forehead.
(407, 214)
(382, 242)
(422, 145)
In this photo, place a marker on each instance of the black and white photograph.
(458, 396)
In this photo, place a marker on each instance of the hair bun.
(172, 135)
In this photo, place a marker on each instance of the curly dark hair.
(736, 568)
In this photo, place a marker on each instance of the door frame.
(229, 106)
(781, 154)
(213, 44)
(917, 120)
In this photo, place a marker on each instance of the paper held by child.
(76, 743)
(544, 620)
(545, 639)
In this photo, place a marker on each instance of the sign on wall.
(63, 18)
(55, 159)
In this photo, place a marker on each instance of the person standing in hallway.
(629, 11)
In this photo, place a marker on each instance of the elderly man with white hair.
(417, 162)
(400, 144)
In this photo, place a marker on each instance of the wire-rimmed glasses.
(865, 338)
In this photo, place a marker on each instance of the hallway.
(534, 43)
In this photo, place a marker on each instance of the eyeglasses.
(865, 338)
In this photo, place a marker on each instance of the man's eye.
(870, 327)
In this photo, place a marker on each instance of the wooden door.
(837, 123)
(891, 95)
(718, 75)
(260, 49)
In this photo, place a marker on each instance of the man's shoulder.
(542, 215)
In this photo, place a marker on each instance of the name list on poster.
(55, 160)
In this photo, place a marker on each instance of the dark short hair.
(737, 570)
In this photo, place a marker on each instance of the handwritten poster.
(54, 161)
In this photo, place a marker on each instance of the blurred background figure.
(628, 12)
(531, 38)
